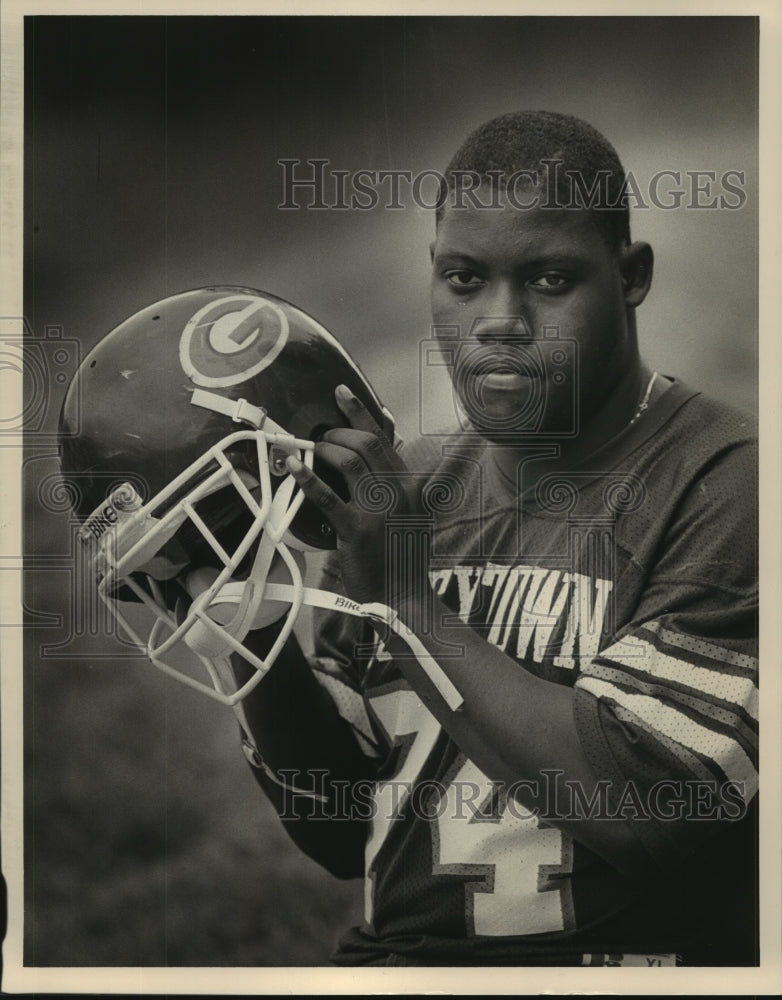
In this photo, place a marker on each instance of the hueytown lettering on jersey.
(531, 611)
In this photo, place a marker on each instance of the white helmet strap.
(239, 410)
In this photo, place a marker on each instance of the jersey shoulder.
(702, 425)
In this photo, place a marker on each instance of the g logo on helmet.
(231, 339)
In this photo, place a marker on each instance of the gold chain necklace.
(645, 401)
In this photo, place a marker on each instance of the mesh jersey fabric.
(631, 577)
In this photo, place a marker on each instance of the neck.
(611, 418)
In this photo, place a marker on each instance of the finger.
(318, 493)
(343, 468)
(361, 480)
(343, 458)
(376, 453)
(359, 416)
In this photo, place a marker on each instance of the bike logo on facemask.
(231, 339)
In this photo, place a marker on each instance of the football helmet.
(173, 440)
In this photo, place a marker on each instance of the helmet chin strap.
(385, 615)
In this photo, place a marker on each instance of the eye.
(463, 280)
(551, 280)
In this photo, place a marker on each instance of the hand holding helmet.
(174, 435)
(175, 439)
(378, 485)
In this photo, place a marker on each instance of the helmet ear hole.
(318, 432)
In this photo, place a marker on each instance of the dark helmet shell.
(128, 415)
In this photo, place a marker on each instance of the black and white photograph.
(390, 541)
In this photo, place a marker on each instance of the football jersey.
(632, 578)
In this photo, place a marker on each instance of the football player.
(530, 719)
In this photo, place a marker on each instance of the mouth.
(504, 378)
(499, 387)
(499, 370)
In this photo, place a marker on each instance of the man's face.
(534, 302)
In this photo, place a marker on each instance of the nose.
(504, 317)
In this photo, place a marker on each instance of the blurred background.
(151, 166)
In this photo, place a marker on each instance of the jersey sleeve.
(668, 713)
(343, 648)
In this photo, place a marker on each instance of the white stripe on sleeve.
(677, 726)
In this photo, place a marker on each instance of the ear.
(636, 267)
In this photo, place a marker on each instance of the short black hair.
(585, 167)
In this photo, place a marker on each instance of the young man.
(588, 588)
